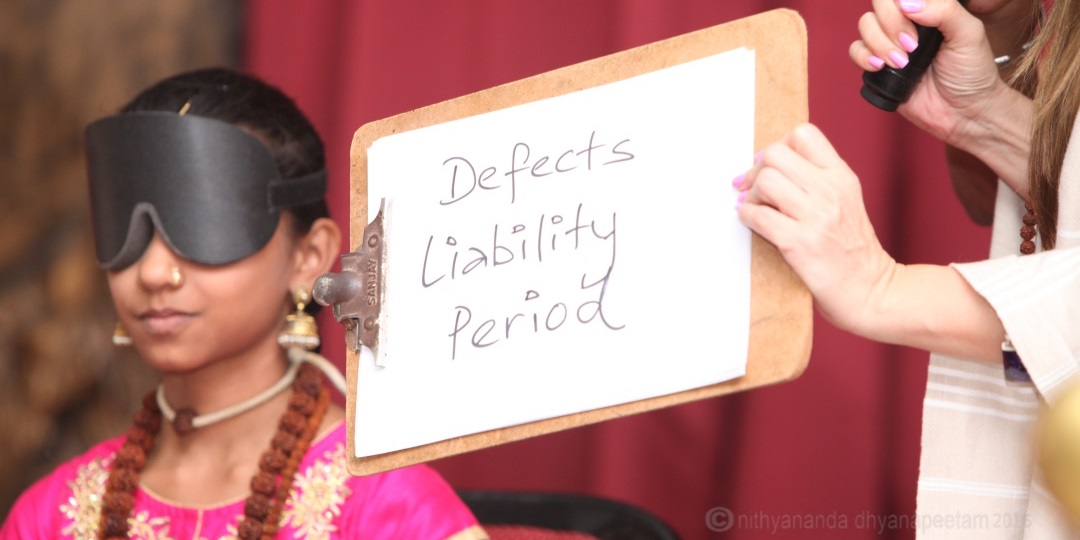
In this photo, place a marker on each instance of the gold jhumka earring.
(300, 328)
(120, 336)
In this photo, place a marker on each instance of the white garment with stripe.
(977, 476)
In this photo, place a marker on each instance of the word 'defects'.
(465, 176)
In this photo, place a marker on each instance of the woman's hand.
(963, 82)
(802, 197)
(962, 99)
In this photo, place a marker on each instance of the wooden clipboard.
(781, 308)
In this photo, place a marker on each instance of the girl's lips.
(165, 322)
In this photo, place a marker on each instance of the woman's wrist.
(998, 133)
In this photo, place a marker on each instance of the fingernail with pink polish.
(876, 62)
(738, 181)
(757, 156)
(911, 6)
(898, 58)
(908, 42)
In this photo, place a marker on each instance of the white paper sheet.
(561, 256)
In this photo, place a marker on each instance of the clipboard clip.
(356, 292)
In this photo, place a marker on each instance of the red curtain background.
(839, 445)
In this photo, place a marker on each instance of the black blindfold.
(210, 189)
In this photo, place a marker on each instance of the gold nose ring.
(175, 276)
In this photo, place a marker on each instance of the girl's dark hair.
(245, 101)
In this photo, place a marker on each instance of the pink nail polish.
(742, 197)
(898, 58)
(876, 62)
(757, 156)
(911, 6)
(738, 181)
(908, 42)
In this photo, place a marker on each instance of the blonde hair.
(1054, 62)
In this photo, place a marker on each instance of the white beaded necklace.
(296, 357)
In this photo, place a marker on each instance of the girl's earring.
(300, 329)
(120, 336)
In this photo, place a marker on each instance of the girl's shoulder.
(66, 498)
(84, 474)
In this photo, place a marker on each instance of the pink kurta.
(325, 503)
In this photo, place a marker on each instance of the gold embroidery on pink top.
(144, 527)
(83, 508)
(317, 495)
(314, 503)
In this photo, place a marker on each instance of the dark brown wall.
(63, 63)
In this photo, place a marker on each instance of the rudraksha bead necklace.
(269, 487)
(1014, 367)
(1027, 231)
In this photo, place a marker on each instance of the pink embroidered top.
(326, 503)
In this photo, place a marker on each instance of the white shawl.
(977, 475)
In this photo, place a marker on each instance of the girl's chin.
(172, 358)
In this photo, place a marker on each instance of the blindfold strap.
(298, 191)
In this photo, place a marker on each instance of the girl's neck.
(215, 464)
(227, 381)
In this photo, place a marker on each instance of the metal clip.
(356, 292)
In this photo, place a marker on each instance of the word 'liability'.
(547, 235)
